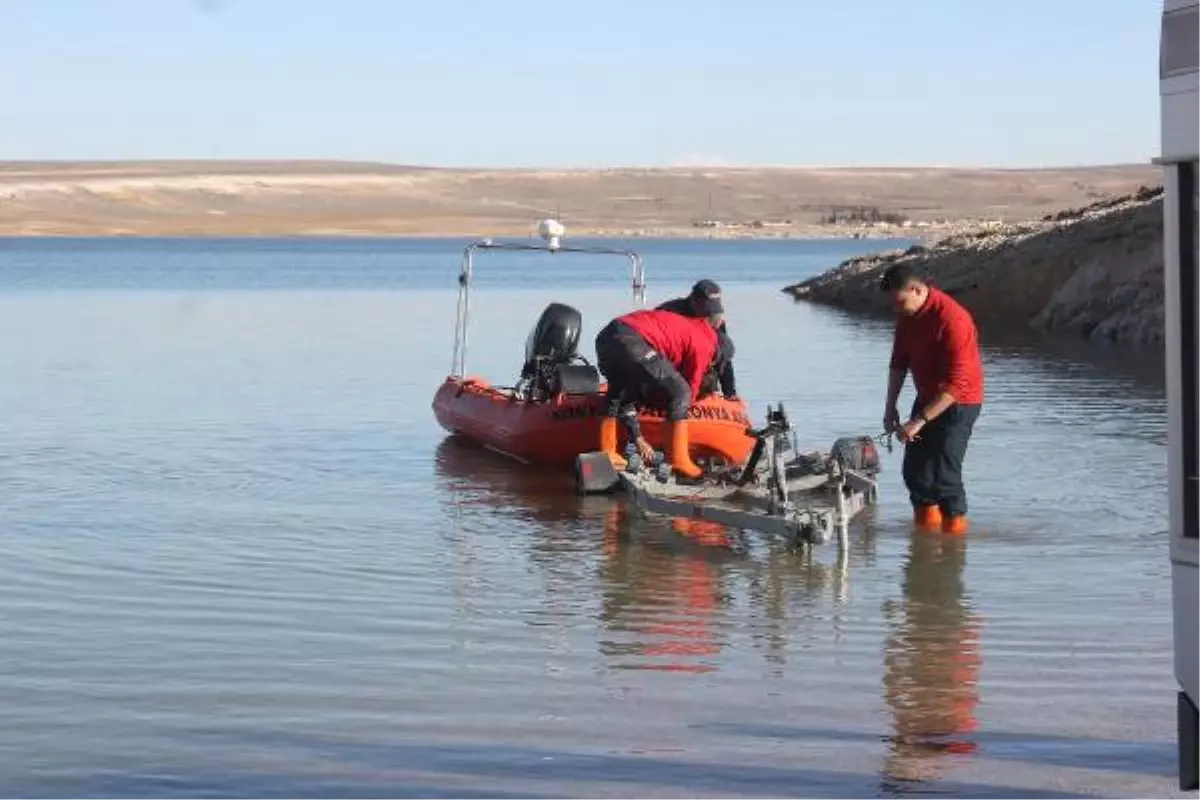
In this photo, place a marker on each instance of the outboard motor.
(857, 453)
(550, 356)
(555, 337)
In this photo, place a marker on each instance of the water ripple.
(240, 559)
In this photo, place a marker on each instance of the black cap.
(707, 295)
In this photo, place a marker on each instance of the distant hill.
(201, 198)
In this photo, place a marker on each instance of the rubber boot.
(927, 516)
(677, 453)
(608, 442)
(956, 525)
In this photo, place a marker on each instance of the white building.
(1179, 87)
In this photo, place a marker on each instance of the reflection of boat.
(553, 412)
(661, 603)
(660, 584)
(476, 477)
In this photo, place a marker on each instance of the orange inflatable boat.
(553, 412)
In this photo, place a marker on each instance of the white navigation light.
(551, 230)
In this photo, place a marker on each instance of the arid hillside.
(198, 198)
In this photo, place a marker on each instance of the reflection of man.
(931, 661)
(936, 340)
(696, 304)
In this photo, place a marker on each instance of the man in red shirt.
(937, 341)
(656, 357)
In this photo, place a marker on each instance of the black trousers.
(933, 463)
(637, 374)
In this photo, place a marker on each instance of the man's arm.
(937, 407)
(897, 370)
(696, 361)
(897, 366)
(895, 384)
(728, 384)
(692, 372)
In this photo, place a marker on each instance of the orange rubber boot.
(956, 525)
(927, 516)
(681, 460)
(608, 442)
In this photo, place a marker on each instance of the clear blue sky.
(575, 83)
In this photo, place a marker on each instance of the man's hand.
(910, 430)
(891, 420)
(645, 450)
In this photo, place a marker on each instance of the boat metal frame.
(770, 493)
(551, 231)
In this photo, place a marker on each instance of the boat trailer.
(806, 499)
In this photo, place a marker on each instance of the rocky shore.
(1094, 271)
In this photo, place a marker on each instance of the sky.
(584, 83)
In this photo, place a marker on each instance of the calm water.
(241, 559)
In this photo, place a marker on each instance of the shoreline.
(507, 234)
(1094, 272)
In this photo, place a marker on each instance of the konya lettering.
(695, 412)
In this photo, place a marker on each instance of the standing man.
(655, 357)
(936, 340)
(704, 294)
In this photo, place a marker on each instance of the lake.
(242, 559)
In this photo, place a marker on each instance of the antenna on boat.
(552, 231)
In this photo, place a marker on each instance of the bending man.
(696, 304)
(936, 339)
(655, 358)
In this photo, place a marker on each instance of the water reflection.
(931, 662)
(661, 583)
(661, 593)
(663, 601)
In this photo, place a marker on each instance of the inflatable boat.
(552, 412)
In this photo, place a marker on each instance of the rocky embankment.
(1095, 271)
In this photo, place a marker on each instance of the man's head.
(706, 299)
(908, 292)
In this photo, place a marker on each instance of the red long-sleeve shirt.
(689, 343)
(940, 345)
